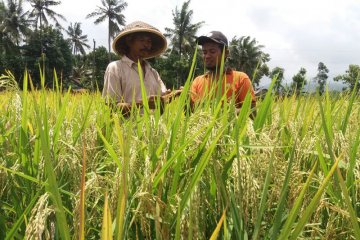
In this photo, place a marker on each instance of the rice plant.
(72, 167)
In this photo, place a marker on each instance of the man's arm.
(253, 110)
(112, 90)
(245, 87)
(166, 95)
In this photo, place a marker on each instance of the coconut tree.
(14, 24)
(183, 35)
(182, 41)
(110, 10)
(41, 11)
(77, 40)
(246, 55)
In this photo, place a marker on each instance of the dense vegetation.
(69, 166)
(33, 37)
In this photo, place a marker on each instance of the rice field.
(71, 168)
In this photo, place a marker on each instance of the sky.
(295, 33)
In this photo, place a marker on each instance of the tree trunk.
(41, 40)
(109, 43)
(94, 68)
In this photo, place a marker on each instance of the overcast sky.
(295, 33)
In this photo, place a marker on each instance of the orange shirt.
(234, 82)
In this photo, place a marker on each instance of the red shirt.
(234, 83)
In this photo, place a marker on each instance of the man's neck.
(137, 59)
(215, 72)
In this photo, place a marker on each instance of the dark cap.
(213, 36)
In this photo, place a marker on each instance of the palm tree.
(41, 9)
(183, 36)
(246, 55)
(41, 12)
(182, 41)
(77, 40)
(14, 24)
(2, 35)
(111, 10)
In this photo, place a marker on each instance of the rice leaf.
(295, 210)
(216, 232)
(106, 229)
(313, 203)
(263, 199)
(16, 227)
(283, 196)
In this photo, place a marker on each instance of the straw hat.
(159, 43)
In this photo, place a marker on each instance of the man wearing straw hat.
(137, 42)
(234, 83)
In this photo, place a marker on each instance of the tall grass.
(70, 166)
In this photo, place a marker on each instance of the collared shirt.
(122, 82)
(234, 83)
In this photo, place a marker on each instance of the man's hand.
(168, 96)
(125, 108)
(152, 101)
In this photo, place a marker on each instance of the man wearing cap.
(138, 41)
(234, 83)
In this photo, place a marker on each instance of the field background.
(70, 168)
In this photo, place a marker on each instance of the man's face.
(140, 45)
(212, 55)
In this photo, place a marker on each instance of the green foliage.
(14, 21)
(321, 77)
(351, 77)
(7, 46)
(176, 62)
(278, 73)
(176, 175)
(13, 27)
(41, 11)
(97, 62)
(247, 56)
(2, 11)
(56, 55)
(17, 25)
(77, 40)
(110, 10)
(174, 71)
(13, 62)
(299, 81)
(183, 35)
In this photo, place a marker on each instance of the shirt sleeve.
(112, 84)
(243, 87)
(194, 90)
(158, 79)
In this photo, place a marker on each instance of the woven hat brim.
(159, 43)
